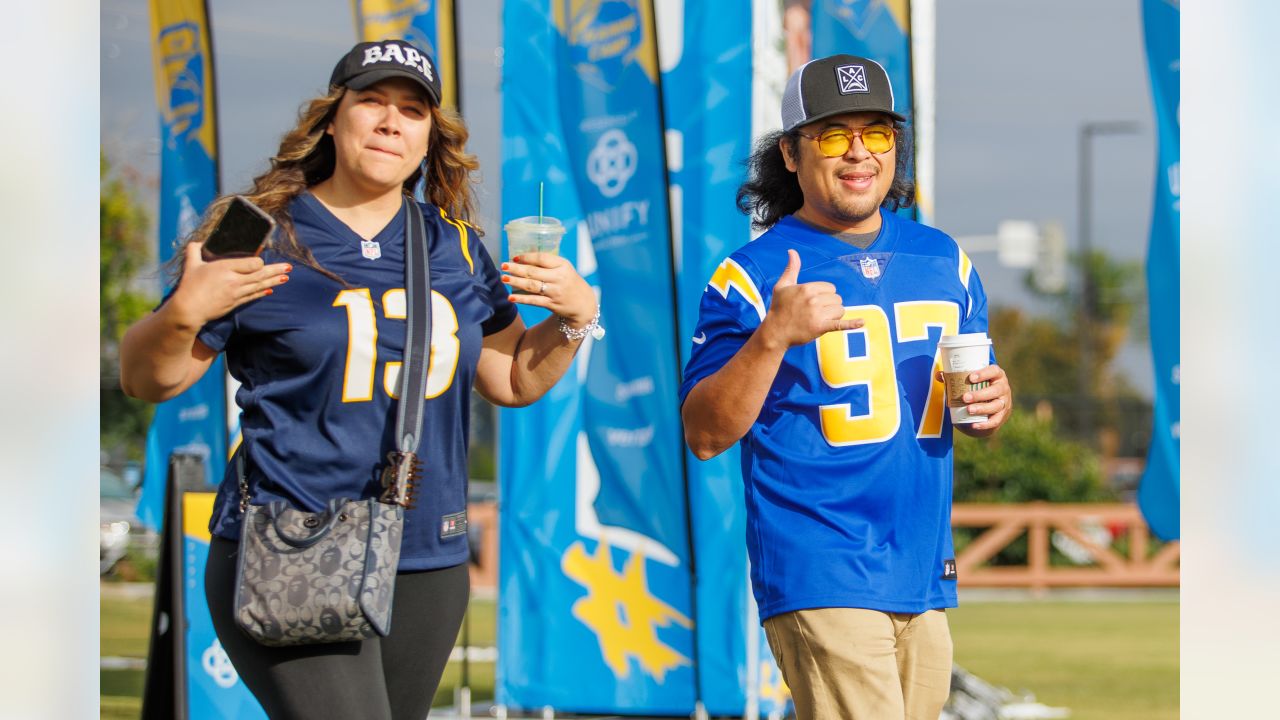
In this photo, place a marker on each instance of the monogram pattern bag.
(318, 577)
(304, 577)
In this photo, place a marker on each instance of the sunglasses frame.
(854, 135)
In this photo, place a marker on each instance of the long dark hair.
(772, 191)
(307, 157)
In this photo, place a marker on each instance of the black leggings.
(390, 678)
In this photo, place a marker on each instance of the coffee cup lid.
(964, 340)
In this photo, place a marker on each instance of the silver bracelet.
(592, 328)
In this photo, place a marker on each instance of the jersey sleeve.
(732, 307)
(495, 293)
(216, 333)
(975, 318)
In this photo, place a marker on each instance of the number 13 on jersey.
(876, 370)
(362, 343)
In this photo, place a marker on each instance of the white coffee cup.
(961, 355)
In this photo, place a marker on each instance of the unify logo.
(612, 162)
(218, 665)
(394, 52)
(853, 79)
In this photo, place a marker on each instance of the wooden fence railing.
(1138, 567)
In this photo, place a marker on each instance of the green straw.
(539, 203)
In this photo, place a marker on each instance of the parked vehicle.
(117, 522)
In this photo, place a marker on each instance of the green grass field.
(124, 633)
(1103, 660)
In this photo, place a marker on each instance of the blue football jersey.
(318, 365)
(847, 470)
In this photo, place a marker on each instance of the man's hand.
(995, 401)
(800, 313)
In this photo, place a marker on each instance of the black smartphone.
(241, 232)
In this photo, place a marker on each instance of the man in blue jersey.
(816, 347)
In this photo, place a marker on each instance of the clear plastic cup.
(527, 234)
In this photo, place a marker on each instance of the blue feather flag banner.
(1160, 493)
(195, 421)
(707, 72)
(594, 572)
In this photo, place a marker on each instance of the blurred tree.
(1027, 460)
(1043, 357)
(124, 252)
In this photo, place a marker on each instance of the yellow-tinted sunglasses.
(833, 142)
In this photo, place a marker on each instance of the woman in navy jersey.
(314, 329)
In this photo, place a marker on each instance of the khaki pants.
(855, 664)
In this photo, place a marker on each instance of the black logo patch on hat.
(853, 79)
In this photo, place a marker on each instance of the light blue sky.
(1015, 81)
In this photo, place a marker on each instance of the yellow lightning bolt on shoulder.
(966, 266)
(622, 613)
(730, 275)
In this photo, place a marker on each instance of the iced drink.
(531, 234)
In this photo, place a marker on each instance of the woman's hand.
(550, 281)
(210, 289)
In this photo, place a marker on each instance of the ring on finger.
(542, 289)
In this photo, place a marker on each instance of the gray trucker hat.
(834, 85)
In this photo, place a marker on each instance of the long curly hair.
(771, 191)
(307, 157)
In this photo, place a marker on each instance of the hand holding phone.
(241, 232)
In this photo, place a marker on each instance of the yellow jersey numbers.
(875, 369)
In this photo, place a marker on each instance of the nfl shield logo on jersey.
(370, 249)
(870, 268)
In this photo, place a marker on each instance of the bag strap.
(417, 339)
(417, 342)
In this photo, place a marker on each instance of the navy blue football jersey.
(318, 365)
(848, 470)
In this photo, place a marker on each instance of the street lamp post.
(1088, 131)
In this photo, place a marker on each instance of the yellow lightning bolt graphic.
(772, 686)
(730, 275)
(622, 613)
